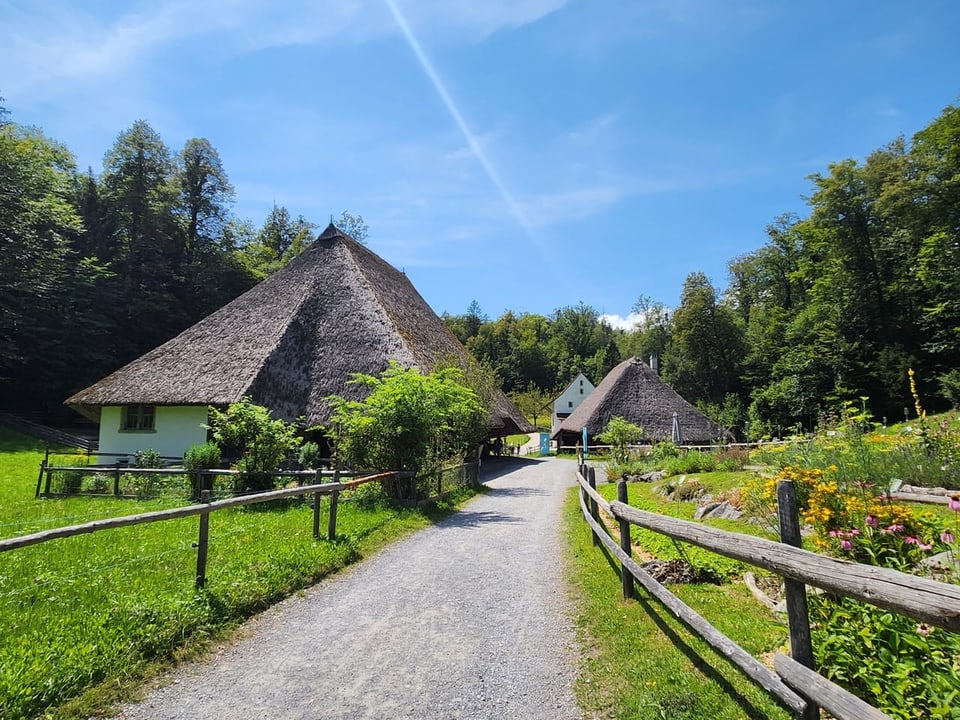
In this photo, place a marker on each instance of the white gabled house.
(570, 399)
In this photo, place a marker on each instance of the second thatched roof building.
(633, 391)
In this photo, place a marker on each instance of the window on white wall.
(137, 418)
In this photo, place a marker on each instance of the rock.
(654, 476)
(674, 572)
(946, 560)
(722, 510)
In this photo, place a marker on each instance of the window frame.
(138, 418)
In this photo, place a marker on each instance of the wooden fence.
(200, 478)
(794, 682)
(203, 509)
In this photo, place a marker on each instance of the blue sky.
(527, 154)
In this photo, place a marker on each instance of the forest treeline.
(98, 268)
(835, 307)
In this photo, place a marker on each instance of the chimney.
(655, 363)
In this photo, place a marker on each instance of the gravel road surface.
(466, 619)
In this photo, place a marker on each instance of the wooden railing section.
(203, 510)
(794, 681)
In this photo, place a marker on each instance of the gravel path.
(466, 619)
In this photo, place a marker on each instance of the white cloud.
(622, 323)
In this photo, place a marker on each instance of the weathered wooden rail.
(932, 602)
(203, 509)
(198, 475)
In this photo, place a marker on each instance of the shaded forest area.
(97, 269)
(835, 307)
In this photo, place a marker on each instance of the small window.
(137, 418)
(581, 391)
(570, 404)
(581, 384)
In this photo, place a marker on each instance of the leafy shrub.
(368, 496)
(204, 456)
(261, 442)
(907, 670)
(619, 434)
(65, 482)
(950, 387)
(691, 462)
(663, 451)
(309, 457)
(148, 458)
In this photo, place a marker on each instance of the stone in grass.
(672, 572)
(714, 509)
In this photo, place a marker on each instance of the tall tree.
(37, 221)
(139, 181)
(354, 226)
(706, 350)
(205, 193)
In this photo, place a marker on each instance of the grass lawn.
(87, 618)
(640, 661)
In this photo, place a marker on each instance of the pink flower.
(923, 629)
(896, 527)
(954, 503)
(871, 520)
(846, 545)
(854, 532)
(833, 533)
(924, 546)
(946, 537)
(910, 540)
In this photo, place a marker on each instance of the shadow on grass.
(701, 663)
(12, 441)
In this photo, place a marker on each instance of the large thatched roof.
(636, 393)
(335, 309)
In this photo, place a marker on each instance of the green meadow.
(87, 618)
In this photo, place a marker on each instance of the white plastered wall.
(176, 427)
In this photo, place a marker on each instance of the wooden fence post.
(203, 542)
(798, 616)
(316, 504)
(332, 521)
(43, 466)
(116, 481)
(594, 509)
(626, 579)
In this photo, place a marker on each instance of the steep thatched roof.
(636, 393)
(335, 309)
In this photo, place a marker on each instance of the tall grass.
(85, 609)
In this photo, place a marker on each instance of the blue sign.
(585, 452)
(544, 444)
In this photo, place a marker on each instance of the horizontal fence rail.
(933, 602)
(186, 511)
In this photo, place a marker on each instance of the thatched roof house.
(291, 341)
(633, 391)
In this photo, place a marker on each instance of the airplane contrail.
(488, 168)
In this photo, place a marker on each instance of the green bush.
(202, 456)
(664, 451)
(691, 462)
(309, 457)
(950, 387)
(148, 458)
(906, 669)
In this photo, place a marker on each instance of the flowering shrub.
(905, 668)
